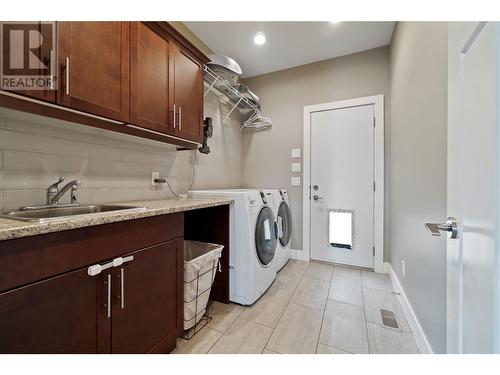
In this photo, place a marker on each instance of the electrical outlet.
(154, 176)
(403, 268)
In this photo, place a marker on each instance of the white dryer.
(283, 214)
(252, 244)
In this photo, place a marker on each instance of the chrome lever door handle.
(316, 198)
(450, 226)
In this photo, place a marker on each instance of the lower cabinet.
(147, 306)
(135, 307)
(58, 315)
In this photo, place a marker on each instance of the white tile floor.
(310, 308)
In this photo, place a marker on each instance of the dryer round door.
(284, 221)
(265, 236)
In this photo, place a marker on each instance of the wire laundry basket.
(201, 261)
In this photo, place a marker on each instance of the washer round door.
(284, 221)
(265, 236)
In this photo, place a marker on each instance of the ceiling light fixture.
(334, 22)
(259, 38)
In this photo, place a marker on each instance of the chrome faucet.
(54, 194)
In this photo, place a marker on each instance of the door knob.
(450, 226)
(316, 198)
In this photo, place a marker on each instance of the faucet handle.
(56, 184)
(74, 188)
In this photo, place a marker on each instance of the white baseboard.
(416, 328)
(298, 255)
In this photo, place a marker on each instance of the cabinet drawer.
(30, 259)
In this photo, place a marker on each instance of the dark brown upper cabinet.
(94, 68)
(47, 56)
(144, 74)
(188, 95)
(166, 82)
(150, 76)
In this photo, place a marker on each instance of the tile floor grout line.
(224, 332)
(324, 311)
(366, 322)
(282, 313)
(334, 347)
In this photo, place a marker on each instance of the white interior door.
(473, 195)
(342, 185)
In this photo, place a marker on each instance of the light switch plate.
(295, 153)
(295, 167)
(295, 181)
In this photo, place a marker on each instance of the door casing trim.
(378, 213)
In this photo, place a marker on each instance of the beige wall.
(35, 151)
(266, 155)
(417, 164)
(189, 35)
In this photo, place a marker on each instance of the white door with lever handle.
(473, 262)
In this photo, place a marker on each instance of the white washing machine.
(283, 214)
(253, 242)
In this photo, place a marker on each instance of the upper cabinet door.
(150, 72)
(47, 55)
(148, 300)
(188, 92)
(94, 68)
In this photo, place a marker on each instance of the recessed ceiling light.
(334, 22)
(259, 38)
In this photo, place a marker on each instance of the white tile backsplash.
(35, 151)
(13, 199)
(31, 161)
(14, 140)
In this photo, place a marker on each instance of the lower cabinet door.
(64, 314)
(148, 299)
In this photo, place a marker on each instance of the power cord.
(194, 170)
(164, 181)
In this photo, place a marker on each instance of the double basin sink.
(44, 213)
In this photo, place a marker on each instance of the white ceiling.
(289, 44)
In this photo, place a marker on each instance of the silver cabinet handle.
(67, 76)
(52, 64)
(122, 288)
(180, 118)
(450, 226)
(174, 116)
(109, 295)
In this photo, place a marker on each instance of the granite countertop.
(10, 229)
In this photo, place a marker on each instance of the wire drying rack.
(223, 89)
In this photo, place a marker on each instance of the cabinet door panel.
(150, 66)
(152, 298)
(63, 314)
(188, 96)
(98, 71)
(44, 55)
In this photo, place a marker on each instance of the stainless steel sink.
(53, 213)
